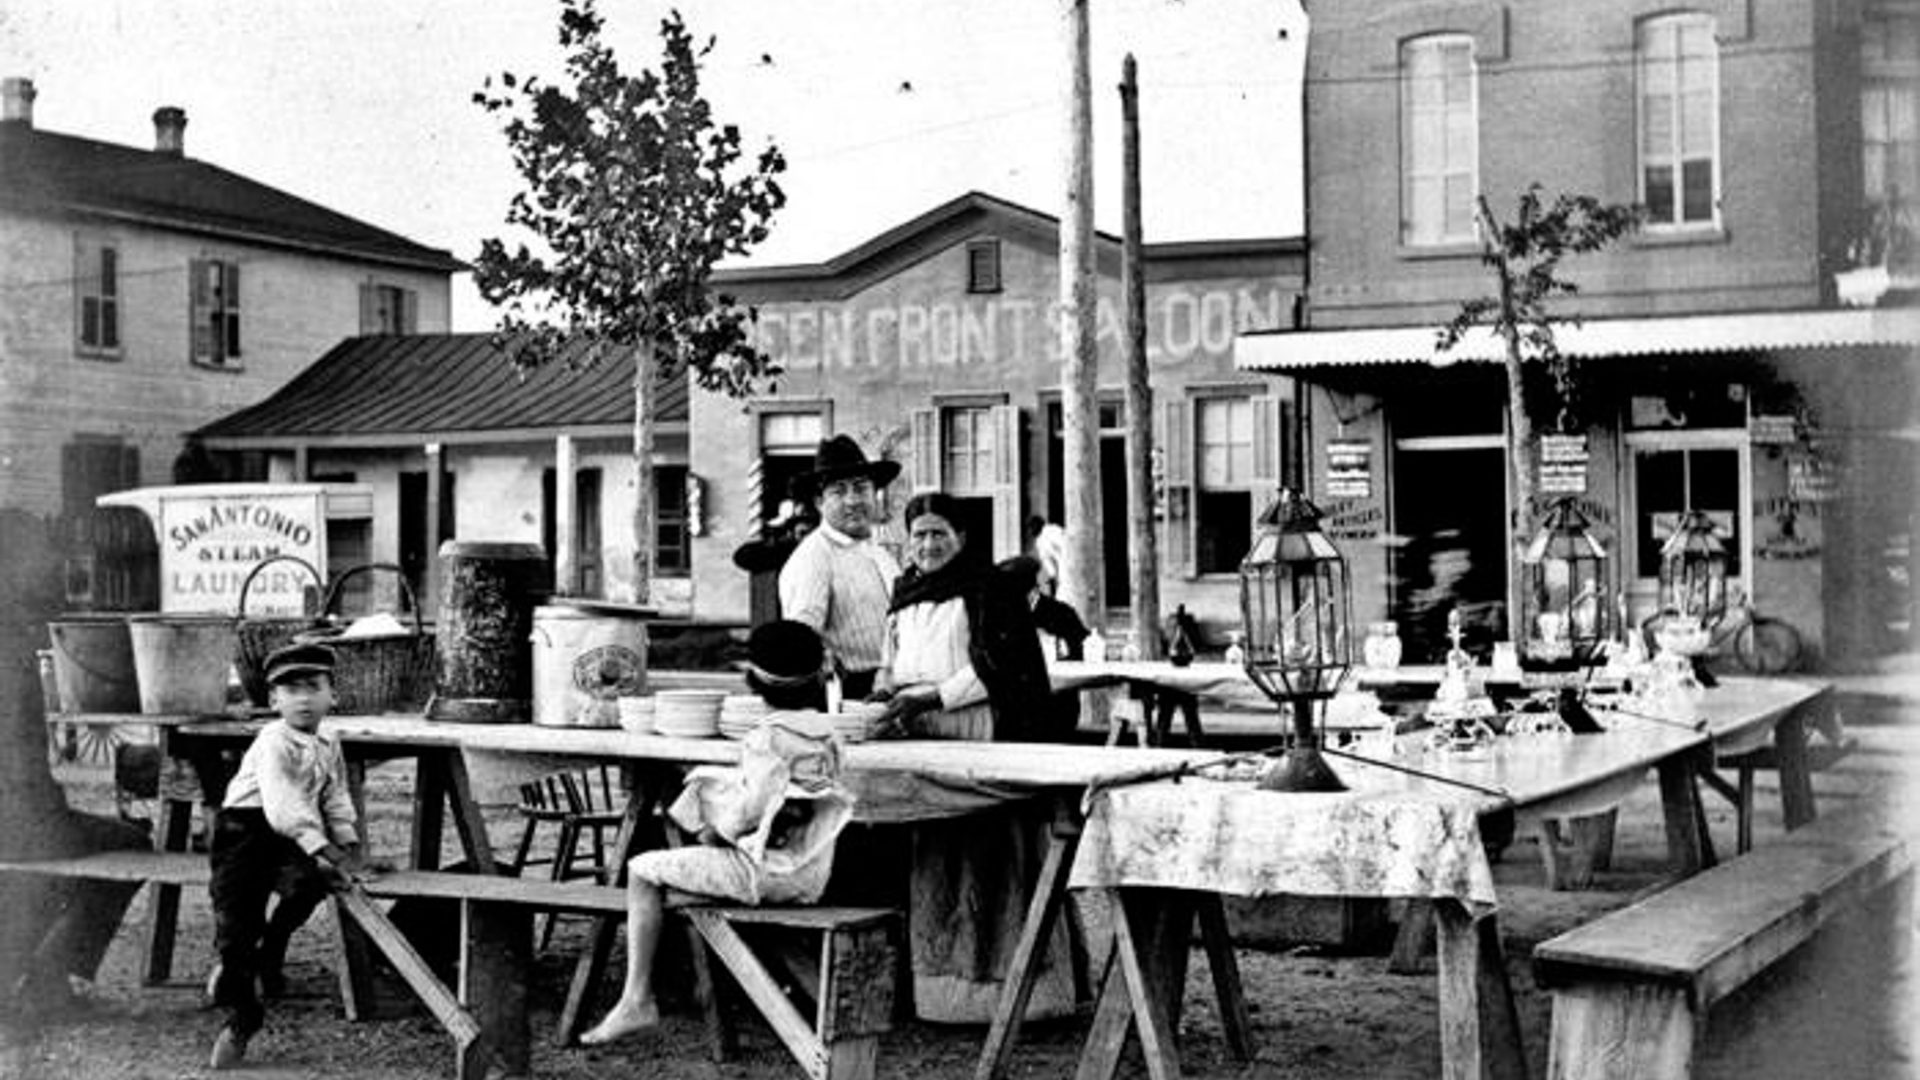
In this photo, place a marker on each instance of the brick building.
(1720, 368)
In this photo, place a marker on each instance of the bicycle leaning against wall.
(1760, 644)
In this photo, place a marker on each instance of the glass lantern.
(1693, 597)
(1564, 613)
(1693, 571)
(1295, 613)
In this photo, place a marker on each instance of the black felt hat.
(783, 653)
(292, 662)
(840, 458)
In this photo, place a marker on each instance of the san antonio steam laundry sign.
(212, 536)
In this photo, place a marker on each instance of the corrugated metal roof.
(46, 170)
(437, 384)
(1758, 331)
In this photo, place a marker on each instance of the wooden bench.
(1632, 989)
(850, 976)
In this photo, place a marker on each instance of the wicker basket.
(259, 637)
(381, 674)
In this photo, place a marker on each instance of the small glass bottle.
(1130, 649)
(1096, 647)
(1381, 650)
(1236, 653)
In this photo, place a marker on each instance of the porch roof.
(388, 389)
(1744, 332)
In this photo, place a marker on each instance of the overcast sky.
(884, 108)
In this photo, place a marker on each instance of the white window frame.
(1457, 164)
(996, 461)
(1184, 478)
(1644, 581)
(1889, 105)
(96, 287)
(1667, 34)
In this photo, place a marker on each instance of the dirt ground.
(1316, 1013)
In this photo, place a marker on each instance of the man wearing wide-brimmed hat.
(838, 580)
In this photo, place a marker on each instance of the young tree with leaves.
(633, 192)
(1523, 257)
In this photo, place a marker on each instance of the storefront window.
(1668, 483)
(1223, 437)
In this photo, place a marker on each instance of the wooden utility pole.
(1143, 555)
(1083, 577)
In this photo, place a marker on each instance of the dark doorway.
(1450, 506)
(1113, 493)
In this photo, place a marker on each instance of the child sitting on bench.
(765, 828)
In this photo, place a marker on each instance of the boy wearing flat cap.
(286, 828)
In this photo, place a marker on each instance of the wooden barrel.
(485, 672)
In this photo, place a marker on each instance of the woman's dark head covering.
(938, 503)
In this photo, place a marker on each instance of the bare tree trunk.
(1143, 565)
(1081, 585)
(643, 510)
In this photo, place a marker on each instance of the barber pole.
(756, 490)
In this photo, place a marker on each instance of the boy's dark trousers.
(251, 863)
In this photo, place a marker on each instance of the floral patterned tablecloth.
(1225, 836)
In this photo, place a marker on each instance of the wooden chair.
(583, 804)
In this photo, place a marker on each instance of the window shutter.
(1266, 443)
(409, 311)
(924, 453)
(369, 309)
(1005, 420)
(230, 305)
(199, 312)
(1175, 440)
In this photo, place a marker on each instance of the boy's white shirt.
(299, 780)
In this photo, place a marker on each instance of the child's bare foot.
(625, 1019)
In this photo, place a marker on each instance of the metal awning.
(1749, 332)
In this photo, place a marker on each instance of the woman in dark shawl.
(964, 662)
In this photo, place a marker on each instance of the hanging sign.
(1771, 430)
(1563, 464)
(1810, 479)
(1349, 469)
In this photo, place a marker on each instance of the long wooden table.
(1538, 778)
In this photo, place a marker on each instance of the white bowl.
(636, 714)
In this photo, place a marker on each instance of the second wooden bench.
(1632, 989)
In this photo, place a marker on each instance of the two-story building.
(1717, 366)
(144, 293)
(936, 344)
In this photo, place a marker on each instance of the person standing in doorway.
(1049, 541)
(838, 580)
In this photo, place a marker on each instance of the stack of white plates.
(855, 718)
(636, 714)
(740, 712)
(687, 714)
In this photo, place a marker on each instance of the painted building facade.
(146, 293)
(1724, 363)
(936, 345)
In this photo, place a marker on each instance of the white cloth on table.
(1229, 837)
(790, 757)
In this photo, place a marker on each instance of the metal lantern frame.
(1564, 586)
(1296, 612)
(1693, 571)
